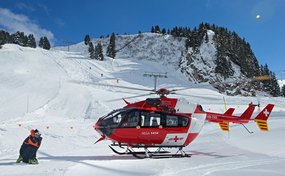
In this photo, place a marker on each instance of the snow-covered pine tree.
(41, 42)
(31, 41)
(44, 43)
(157, 29)
(206, 38)
(87, 39)
(99, 52)
(111, 52)
(271, 86)
(152, 29)
(283, 91)
(223, 66)
(275, 88)
(4, 37)
(19, 38)
(91, 50)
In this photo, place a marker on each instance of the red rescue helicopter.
(165, 123)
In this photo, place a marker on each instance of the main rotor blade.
(117, 99)
(195, 86)
(198, 96)
(109, 85)
(262, 78)
(255, 78)
(174, 90)
(184, 94)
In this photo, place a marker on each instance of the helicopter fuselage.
(153, 122)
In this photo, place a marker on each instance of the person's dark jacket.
(30, 147)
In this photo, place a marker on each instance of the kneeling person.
(29, 148)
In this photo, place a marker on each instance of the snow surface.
(37, 91)
(281, 83)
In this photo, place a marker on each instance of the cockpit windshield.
(115, 116)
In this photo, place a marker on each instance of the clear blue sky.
(71, 20)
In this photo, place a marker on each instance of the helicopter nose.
(97, 126)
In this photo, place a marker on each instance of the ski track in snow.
(69, 111)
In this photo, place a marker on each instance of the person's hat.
(37, 133)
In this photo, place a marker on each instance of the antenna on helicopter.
(155, 75)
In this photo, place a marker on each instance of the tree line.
(21, 39)
(230, 47)
(97, 51)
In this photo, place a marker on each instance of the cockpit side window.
(171, 121)
(150, 119)
(145, 120)
(176, 121)
(183, 121)
(131, 119)
(117, 119)
(154, 120)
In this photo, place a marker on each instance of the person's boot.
(33, 161)
(19, 159)
(36, 161)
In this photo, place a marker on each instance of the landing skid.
(158, 154)
(128, 151)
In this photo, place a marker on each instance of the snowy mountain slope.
(65, 112)
(200, 66)
(197, 64)
(164, 49)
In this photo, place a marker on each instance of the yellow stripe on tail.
(262, 124)
(224, 126)
(261, 118)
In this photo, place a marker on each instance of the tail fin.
(230, 111)
(247, 113)
(261, 118)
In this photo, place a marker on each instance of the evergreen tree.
(31, 42)
(4, 37)
(87, 39)
(44, 43)
(206, 38)
(223, 66)
(99, 52)
(283, 91)
(25, 40)
(174, 31)
(275, 88)
(271, 86)
(111, 52)
(157, 29)
(41, 42)
(91, 50)
(19, 38)
(193, 39)
(152, 29)
(266, 83)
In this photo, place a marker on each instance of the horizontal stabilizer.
(224, 126)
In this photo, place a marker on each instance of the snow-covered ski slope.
(37, 91)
